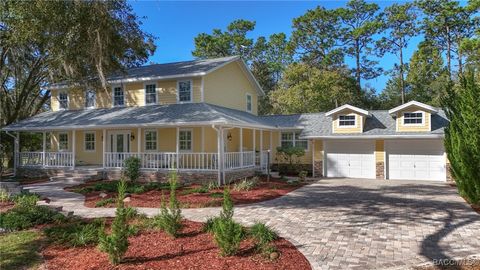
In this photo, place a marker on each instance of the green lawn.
(18, 250)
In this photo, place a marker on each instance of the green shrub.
(246, 184)
(76, 234)
(291, 155)
(227, 207)
(170, 219)
(208, 225)
(195, 190)
(212, 185)
(302, 175)
(25, 199)
(21, 217)
(116, 243)
(263, 236)
(4, 196)
(228, 235)
(131, 168)
(216, 195)
(104, 202)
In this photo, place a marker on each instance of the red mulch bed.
(262, 192)
(194, 249)
(5, 206)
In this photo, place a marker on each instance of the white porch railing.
(261, 160)
(166, 160)
(47, 159)
(237, 160)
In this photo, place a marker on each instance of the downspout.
(15, 150)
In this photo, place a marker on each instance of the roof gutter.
(416, 136)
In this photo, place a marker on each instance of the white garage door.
(347, 158)
(416, 160)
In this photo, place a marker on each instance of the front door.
(119, 145)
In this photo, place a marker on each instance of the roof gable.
(347, 107)
(414, 103)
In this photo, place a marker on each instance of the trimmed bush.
(302, 175)
(116, 244)
(208, 225)
(4, 196)
(228, 236)
(263, 236)
(227, 207)
(170, 219)
(25, 199)
(76, 234)
(21, 217)
(131, 168)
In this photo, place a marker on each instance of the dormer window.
(249, 103)
(63, 100)
(90, 99)
(150, 94)
(184, 89)
(118, 96)
(346, 121)
(413, 118)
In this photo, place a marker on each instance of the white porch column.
(74, 143)
(220, 154)
(271, 145)
(254, 142)
(139, 141)
(261, 148)
(104, 146)
(241, 147)
(313, 157)
(16, 153)
(44, 147)
(177, 147)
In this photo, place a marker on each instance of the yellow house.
(200, 117)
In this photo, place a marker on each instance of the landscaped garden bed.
(102, 193)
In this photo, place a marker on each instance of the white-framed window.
(413, 118)
(63, 100)
(90, 96)
(63, 141)
(150, 140)
(249, 103)
(150, 93)
(185, 140)
(184, 91)
(346, 121)
(89, 141)
(118, 96)
(292, 139)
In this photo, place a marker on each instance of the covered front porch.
(195, 149)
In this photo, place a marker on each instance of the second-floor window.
(292, 139)
(118, 96)
(415, 118)
(63, 100)
(346, 120)
(249, 103)
(90, 98)
(185, 91)
(150, 94)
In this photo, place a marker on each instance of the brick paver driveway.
(372, 224)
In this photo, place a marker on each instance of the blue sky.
(175, 24)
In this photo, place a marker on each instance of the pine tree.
(462, 136)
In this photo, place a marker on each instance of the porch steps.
(77, 176)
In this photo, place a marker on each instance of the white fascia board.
(413, 103)
(349, 107)
(418, 136)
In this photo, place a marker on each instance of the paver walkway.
(347, 224)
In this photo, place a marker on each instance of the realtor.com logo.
(452, 262)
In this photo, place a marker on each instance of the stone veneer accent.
(162, 176)
(380, 170)
(33, 173)
(318, 168)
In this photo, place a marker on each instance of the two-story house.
(200, 118)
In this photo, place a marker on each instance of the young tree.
(360, 23)
(462, 136)
(304, 89)
(316, 38)
(400, 22)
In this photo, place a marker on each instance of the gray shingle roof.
(312, 125)
(169, 70)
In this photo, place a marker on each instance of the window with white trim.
(150, 94)
(150, 140)
(118, 96)
(185, 140)
(346, 120)
(89, 141)
(185, 91)
(90, 95)
(249, 103)
(63, 141)
(412, 118)
(63, 100)
(292, 139)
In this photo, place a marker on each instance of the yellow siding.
(210, 140)
(83, 157)
(413, 128)
(379, 151)
(228, 87)
(318, 154)
(358, 119)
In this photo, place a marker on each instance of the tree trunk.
(358, 68)
(402, 82)
(460, 63)
(449, 53)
